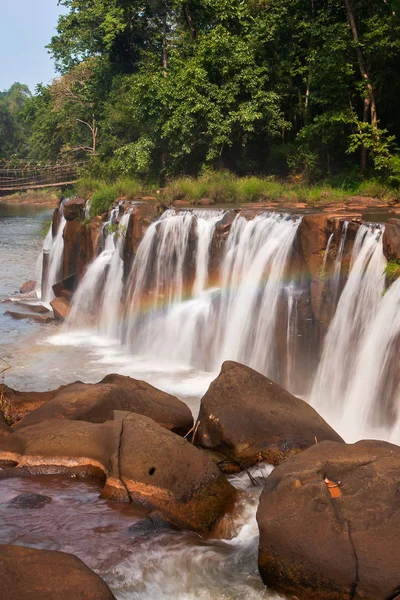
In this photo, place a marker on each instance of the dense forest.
(305, 88)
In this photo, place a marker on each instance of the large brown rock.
(321, 542)
(19, 404)
(74, 209)
(140, 462)
(32, 574)
(167, 473)
(391, 240)
(249, 418)
(97, 402)
(72, 244)
(61, 308)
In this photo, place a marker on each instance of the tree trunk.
(369, 101)
(164, 43)
(189, 20)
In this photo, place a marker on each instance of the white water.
(111, 305)
(252, 279)
(86, 301)
(56, 248)
(358, 305)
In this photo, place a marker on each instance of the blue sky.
(26, 26)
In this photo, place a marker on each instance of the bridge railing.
(35, 176)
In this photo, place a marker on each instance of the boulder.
(249, 418)
(391, 240)
(329, 522)
(205, 202)
(167, 473)
(140, 462)
(61, 308)
(97, 402)
(32, 574)
(28, 286)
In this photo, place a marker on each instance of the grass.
(392, 271)
(102, 195)
(223, 187)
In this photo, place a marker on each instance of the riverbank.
(41, 197)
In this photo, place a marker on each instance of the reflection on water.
(145, 566)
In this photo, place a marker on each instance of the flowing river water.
(231, 317)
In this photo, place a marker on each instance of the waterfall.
(172, 320)
(357, 307)
(169, 303)
(86, 300)
(110, 310)
(54, 247)
(372, 404)
(252, 279)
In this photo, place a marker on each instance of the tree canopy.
(168, 87)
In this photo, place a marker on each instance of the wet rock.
(43, 319)
(143, 214)
(97, 402)
(154, 523)
(26, 501)
(31, 574)
(61, 308)
(66, 287)
(391, 240)
(74, 209)
(28, 286)
(324, 541)
(89, 243)
(36, 308)
(140, 462)
(249, 418)
(164, 471)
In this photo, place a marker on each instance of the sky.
(26, 27)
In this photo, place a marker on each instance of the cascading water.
(235, 320)
(335, 286)
(86, 298)
(372, 402)
(253, 278)
(358, 305)
(54, 247)
(110, 310)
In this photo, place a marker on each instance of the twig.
(195, 431)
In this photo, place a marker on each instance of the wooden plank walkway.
(36, 186)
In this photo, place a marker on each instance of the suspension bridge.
(33, 177)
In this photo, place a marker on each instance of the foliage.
(105, 194)
(392, 271)
(176, 89)
(116, 229)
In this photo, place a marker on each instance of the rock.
(89, 243)
(74, 209)
(140, 461)
(154, 523)
(72, 245)
(391, 240)
(249, 418)
(31, 574)
(96, 403)
(36, 308)
(28, 286)
(61, 308)
(29, 501)
(164, 471)
(66, 287)
(31, 317)
(205, 202)
(21, 403)
(321, 542)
